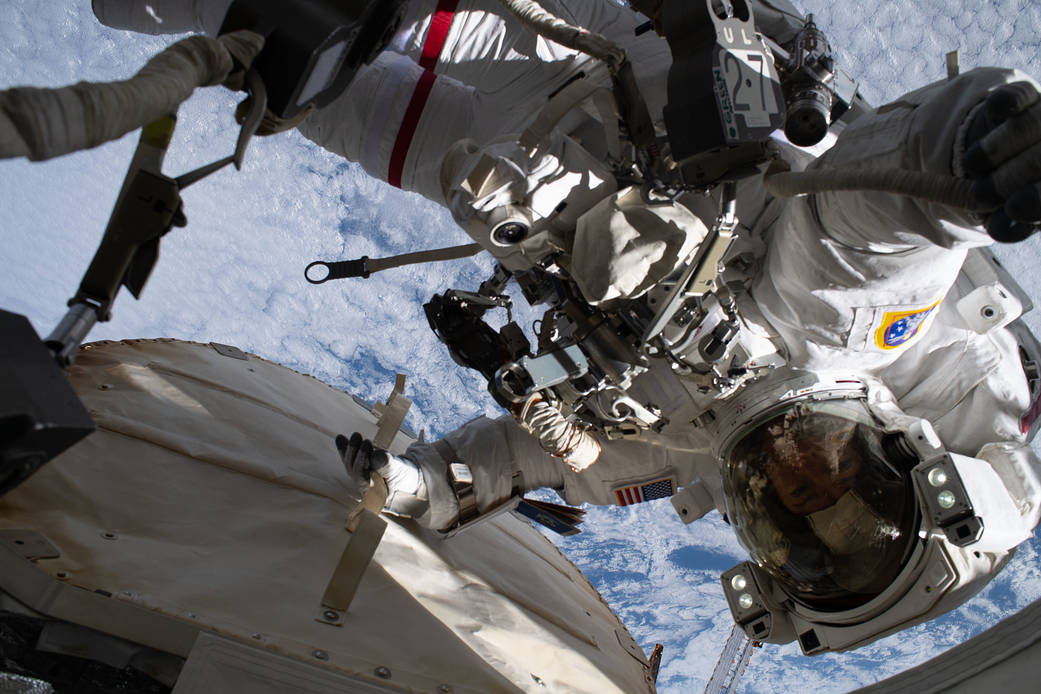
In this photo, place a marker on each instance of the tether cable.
(943, 190)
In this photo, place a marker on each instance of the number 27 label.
(748, 82)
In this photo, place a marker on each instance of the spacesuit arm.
(502, 458)
(921, 131)
(506, 461)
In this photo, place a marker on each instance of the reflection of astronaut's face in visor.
(812, 496)
(809, 460)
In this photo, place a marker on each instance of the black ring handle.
(338, 270)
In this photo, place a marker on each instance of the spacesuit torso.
(863, 283)
(860, 282)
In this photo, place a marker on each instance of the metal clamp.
(703, 265)
(462, 482)
(543, 371)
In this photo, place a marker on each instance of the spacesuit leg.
(482, 77)
(512, 69)
(372, 123)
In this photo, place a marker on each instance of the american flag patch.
(656, 489)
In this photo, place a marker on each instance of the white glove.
(407, 488)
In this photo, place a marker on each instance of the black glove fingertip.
(1003, 229)
(1024, 205)
(341, 444)
(379, 460)
(365, 457)
(350, 451)
(1011, 99)
(976, 162)
(986, 195)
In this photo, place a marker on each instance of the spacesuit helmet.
(857, 520)
(821, 504)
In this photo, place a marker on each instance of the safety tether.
(365, 266)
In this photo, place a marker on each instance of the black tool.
(148, 207)
(313, 48)
(40, 414)
(724, 92)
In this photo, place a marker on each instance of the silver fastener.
(321, 655)
(445, 689)
(109, 535)
(331, 615)
(383, 672)
(255, 636)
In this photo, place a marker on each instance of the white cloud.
(235, 275)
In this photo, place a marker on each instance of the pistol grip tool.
(148, 206)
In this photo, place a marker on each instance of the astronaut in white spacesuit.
(872, 454)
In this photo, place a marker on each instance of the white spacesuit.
(878, 364)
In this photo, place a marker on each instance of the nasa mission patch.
(897, 328)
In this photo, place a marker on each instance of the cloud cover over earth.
(235, 275)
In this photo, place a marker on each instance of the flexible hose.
(536, 18)
(557, 436)
(945, 190)
(45, 123)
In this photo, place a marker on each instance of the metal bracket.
(542, 371)
(391, 414)
(330, 616)
(366, 528)
(953, 68)
(30, 544)
(703, 265)
(39, 591)
(229, 351)
(365, 524)
(625, 640)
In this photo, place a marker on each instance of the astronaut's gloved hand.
(1003, 157)
(405, 483)
(243, 47)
